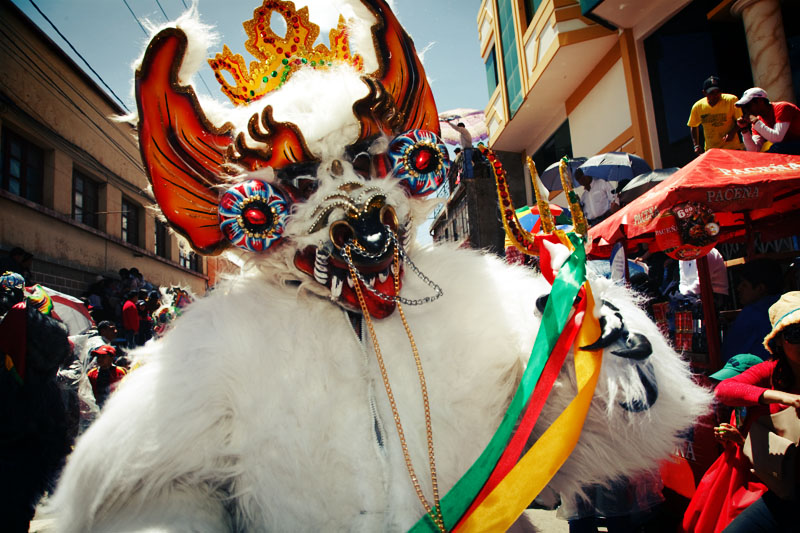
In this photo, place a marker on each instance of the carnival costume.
(350, 379)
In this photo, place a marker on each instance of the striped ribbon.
(566, 285)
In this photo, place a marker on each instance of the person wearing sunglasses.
(769, 388)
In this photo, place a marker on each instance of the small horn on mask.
(548, 225)
(578, 218)
(638, 347)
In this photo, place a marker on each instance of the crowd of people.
(53, 385)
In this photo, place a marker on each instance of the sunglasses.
(792, 334)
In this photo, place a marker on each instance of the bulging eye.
(252, 215)
(419, 159)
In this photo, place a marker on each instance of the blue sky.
(108, 36)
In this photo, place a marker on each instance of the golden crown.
(280, 56)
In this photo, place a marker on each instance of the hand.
(698, 148)
(729, 432)
(728, 137)
(742, 123)
(752, 118)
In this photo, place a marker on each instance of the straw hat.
(783, 313)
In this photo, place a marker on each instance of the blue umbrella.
(551, 177)
(615, 166)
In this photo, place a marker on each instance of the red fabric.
(130, 316)
(677, 475)
(727, 488)
(13, 337)
(746, 388)
(786, 112)
(729, 182)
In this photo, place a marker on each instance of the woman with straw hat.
(769, 388)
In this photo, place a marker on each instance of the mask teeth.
(321, 265)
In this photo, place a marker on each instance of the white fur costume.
(262, 411)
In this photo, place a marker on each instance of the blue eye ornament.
(419, 159)
(252, 215)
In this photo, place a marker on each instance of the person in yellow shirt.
(717, 113)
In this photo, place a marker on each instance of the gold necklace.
(436, 512)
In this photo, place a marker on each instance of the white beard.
(255, 412)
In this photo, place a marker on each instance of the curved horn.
(548, 225)
(183, 153)
(650, 392)
(402, 99)
(638, 347)
(519, 237)
(578, 218)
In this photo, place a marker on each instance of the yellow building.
(73, 190)
(580, 78)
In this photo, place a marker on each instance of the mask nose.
(367, 231)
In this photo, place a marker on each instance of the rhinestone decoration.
(252, 215)
(420, 160)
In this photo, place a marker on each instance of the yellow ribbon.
(519, 488)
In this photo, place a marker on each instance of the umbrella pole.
(709, 313)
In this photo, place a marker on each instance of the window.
(191, 261)
(508, 39)
(162, 240)
(491, 71)
(130, 222)
(85, 194)
(23, 167)
(529, 8)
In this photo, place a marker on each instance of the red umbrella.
(723, 195)
(739, 192)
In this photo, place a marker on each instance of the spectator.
(466, 146)
(19, 261)
(758, 288)
(776, 122)
(717, 113)
(105, 376)
(767, 388)
(130, 319)
(728, 487)
(599, 198)
(690, 281)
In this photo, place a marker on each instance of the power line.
(162, 10)
(135, 17)
(80, 56)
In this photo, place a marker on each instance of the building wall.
(49, 102)
(607, 104)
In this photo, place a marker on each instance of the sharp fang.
(383, 276)
(336, 287)
(350, 281)
(371, 281)
(320, 274)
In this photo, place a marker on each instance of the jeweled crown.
(279, 57)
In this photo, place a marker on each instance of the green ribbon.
(568, 281)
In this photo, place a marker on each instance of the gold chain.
(436, 512)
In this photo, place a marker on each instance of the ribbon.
(540, 394)
(565, 287)
(510, 498)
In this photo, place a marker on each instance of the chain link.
(351, 246)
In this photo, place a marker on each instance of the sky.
(108, 36)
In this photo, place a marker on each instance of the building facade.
(579, 78)
(73, 191)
